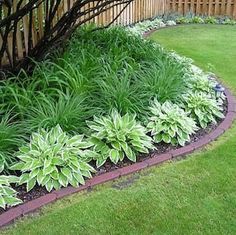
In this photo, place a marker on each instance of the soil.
(38, 191)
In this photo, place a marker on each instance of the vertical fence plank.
(19, 43)
(192, 7)
(228, 7)
(197, 7)
(222, 8)
(40, 19)
(204, 7)
(234, 9)
(217, 7)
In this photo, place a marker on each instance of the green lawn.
(193, 196)
(213, 47)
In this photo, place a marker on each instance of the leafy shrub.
(70, 112)
(53, 159)
(117, 136)
(170, 124)
(182, 20)
(203, 108)
(11, 138)
(228, 21)
(211, 20)
(7, 193)
(197, 20)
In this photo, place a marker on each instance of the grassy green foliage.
(97, 72)
(70, 112)
(117, 136)
(53, 159)
(170, 124)
(109, 73)
(121, 62)
(11, 137)
(164, 80)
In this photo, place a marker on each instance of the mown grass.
(193, 196)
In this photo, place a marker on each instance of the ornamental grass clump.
(169, 123)
(11, 137)
(68, 111)
(53, 159)
(202, 108)
(163, 80)
(8, 196)
(116, 137)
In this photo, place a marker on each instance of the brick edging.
(31, 206)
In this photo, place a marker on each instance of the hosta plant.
(53, 159)
(201, 83)
(7, 193)
(204, 83)
(170, 124)
(117, 136)
(203, 108)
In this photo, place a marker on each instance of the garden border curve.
(31, 206)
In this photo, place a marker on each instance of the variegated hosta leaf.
(8, 196)
(203, 108)
(201, 83)
(116, 136)
(170, 124)
(54, 159)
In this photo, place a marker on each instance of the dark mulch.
(109, 166)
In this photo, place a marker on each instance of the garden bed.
(41, 197)
(109, 166)
(203, 129)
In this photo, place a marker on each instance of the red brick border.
(31, 206)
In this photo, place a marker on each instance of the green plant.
(15, 96)
(53, 159)
(203, 108)
(164, 80)
(229, 21)
(170, 124)
(70, 112)
(201, 83)
(7, 193)
(117, 136)
(210, 20)
(118, 91)
(11, 137)
(182, 20)
(197, 20)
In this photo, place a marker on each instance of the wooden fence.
(138, 10)
(203, 7)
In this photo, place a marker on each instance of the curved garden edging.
(30, 206)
